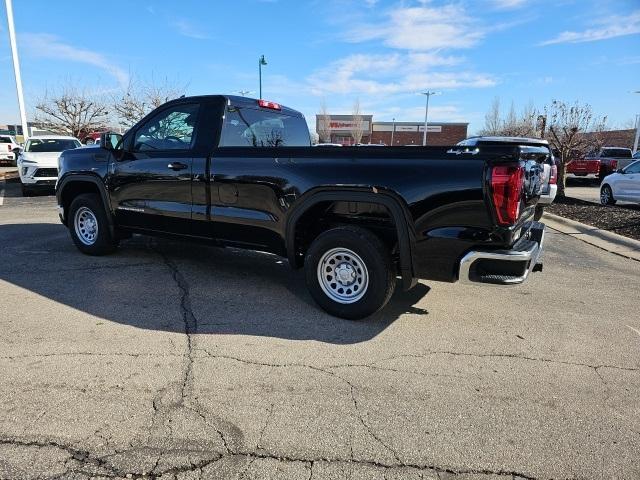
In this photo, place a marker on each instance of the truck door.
(151, 181)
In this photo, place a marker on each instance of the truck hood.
(43, 159)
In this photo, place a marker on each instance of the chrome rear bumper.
(505, 267)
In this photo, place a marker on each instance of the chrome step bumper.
(505, 267)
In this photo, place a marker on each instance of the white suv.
(38, 162)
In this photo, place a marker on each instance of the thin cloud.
(422, 28)
(609, 27)
(188, 29)
(392, 74)
(50, 46)
(508, 4)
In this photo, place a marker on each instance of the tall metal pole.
(260, 76)
(426, 117)
(16, 70)
(261, 62)
(635, 143)
(393, 131)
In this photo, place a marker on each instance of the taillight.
(9, 147)
(268, 104)
(506, 190)
(554, 175)
(614, 164)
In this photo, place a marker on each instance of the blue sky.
(336, 51)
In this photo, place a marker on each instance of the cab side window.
(171, 129)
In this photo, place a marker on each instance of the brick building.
(616, 138)
(403, 133)
(411, 133)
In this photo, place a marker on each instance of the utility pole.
(16, 70)
(261, 62)
(635, 142)
(393, 131)
(428, 94)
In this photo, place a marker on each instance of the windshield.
(616, 152)
(38, 145)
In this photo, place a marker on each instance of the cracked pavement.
(179, 361)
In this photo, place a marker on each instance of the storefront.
(344, 129)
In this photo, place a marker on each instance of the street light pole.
(16, 70)
(635, 142)
(261, 62)
(393, 131)
(428, 94)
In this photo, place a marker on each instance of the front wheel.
(349, 272)
(89, 226)
(606, 196)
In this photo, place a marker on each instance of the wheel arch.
(396, 207)
(71, 186)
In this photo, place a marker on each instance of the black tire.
(379, 272)
(606, 195)
(26, 191)
(539, 212)
(101, 242)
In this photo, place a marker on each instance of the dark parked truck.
(241, 172)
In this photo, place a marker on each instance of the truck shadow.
(155, 284)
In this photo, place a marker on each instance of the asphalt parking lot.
(174, 360)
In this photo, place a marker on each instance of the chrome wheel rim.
(343, 275)
(86, 226)
(604, 196)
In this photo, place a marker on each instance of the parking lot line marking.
(634, 329)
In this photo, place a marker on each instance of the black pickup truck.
(241, 172)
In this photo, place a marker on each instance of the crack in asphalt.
(87, 460)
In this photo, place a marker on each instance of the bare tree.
(492, 119)
(72, 111)
(524, 124)
(567, 125)
(324, 124)
(140, 98)
(357, 128)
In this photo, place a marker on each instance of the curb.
(609, 241)
(12, 175)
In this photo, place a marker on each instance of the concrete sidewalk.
(609, 241)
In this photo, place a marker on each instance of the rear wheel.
(89, 226)
(606, 196)
(349, 272)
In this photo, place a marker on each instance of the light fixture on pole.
(16, 70)
(261, 62)
(393, 131)
(428, 94)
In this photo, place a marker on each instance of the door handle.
(177, 166)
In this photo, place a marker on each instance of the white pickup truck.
(7, 144)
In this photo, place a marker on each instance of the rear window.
(5, 140)
(50, 145)
(616, 152)
(248, 127)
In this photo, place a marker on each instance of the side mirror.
(620, 170)
(17, 150)
(111, 141)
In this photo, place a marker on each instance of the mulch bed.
(623, 219)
